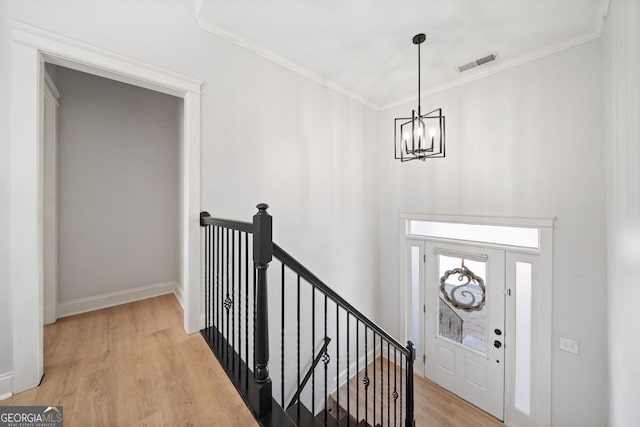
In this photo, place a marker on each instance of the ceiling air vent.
(478, 62)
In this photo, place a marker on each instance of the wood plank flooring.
(133, 365)
(434, 406)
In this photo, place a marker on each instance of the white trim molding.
(216, 29)
(595, 33)
(498, 66)
(111, 299)
(50, 202)
(6, 385)
(84, 57)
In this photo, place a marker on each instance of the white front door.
(465, 348)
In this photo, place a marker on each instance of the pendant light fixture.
(420, 136)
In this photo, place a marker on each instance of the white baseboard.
(179, 295)
(6, 385)
(110, 299)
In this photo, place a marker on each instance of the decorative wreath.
(459, 291)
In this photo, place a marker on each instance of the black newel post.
(262, 255)
(410, 420)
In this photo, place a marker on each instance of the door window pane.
(526, 237)
(522, 396)
(466, 328)
(415, 298)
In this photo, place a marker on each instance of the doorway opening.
(478, 308)
(110, 152)
(31, 48)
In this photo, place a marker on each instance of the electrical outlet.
(567, 344)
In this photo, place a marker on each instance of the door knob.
(497, 344)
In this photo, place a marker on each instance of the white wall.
(6, 336)
(268, 135)
(524, 142)
(622, 47)
(117, 186)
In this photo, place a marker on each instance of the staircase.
(296, 351)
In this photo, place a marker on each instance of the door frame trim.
(30, 48)
(542, 303)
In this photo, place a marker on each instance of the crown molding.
(214, 28)
(596, 33)
(505, 65)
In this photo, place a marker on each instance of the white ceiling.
(363, 47)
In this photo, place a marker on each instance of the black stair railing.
(367, 375)
(229, 289)
(310, 372)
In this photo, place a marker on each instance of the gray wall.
(117, 186)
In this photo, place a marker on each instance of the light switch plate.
(567, 344)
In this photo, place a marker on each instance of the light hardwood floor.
(434, 406)
(133, 365)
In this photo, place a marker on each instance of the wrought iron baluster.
(313, 347)
(357, 370)
(365, 380)
(282, 299)
(246, 309)
(255, 285)
(348, 399)
(395, 387)
(210, 308)
(239, 305)
(218, 331)
(401, 388)
(374, 378)
(231, 301)
(298, 342)
(221, 301)
(226, 298)
(326, 363)
(337, 361)
(206, 277)
(388, 385)
(381, 381)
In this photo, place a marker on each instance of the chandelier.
(420, 136)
